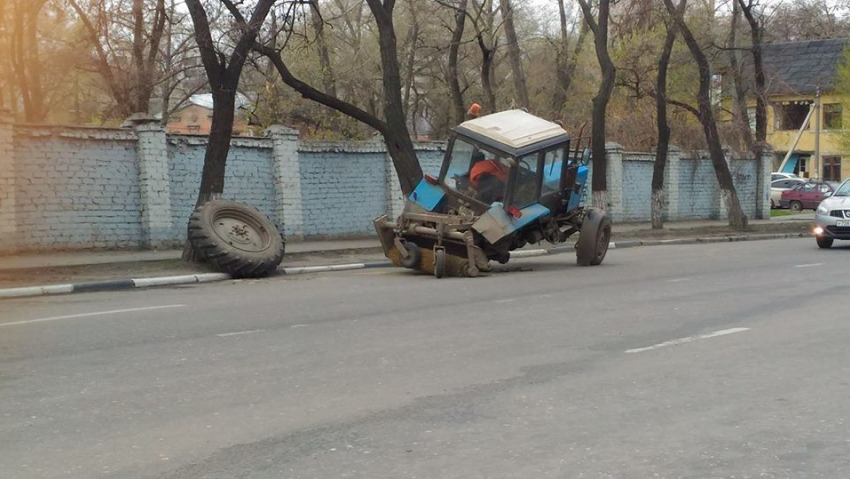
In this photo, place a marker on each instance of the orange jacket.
(488, 167)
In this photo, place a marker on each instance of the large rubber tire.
(236, 239)
(414, 255)
(593, 239)
(824, 242)
(796, 206)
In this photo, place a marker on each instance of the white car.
(832, 217)
(781, 176)
(780, 185)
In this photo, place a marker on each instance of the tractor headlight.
(822, 210)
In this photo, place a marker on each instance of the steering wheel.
(525, 164)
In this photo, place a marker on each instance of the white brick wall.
(64, 187)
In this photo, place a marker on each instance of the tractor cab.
(512, 159)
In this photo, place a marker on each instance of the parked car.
(778, 186)
(781, 176)
(806, 196)
(832, 217)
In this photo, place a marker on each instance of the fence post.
(671, 183)
(764, 169)
(614, 154)
(289, 206)
(154, 181)
(8, 184)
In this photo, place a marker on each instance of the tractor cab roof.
(515, 132)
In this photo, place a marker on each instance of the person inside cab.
(488, 177)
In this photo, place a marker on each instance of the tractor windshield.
(476, 173)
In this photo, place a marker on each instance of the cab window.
(527, 180)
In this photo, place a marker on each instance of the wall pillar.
(289, 206)
(8, 184)
(763, 170)
(671, 183)
(395, 197)
(614, 178)
(154, 182)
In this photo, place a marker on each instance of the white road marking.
(224, 335)
(504, 301)
(679, 280)
(689, 339)
(808, 265)
(97, 313)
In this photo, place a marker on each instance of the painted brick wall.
(699, 196)
(77, 187)
(99, 187)
(249, 176)
(342, 190)
(744, 177)
(637, 187)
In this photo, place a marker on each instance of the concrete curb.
(123, 284)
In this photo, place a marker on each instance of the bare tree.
(737, 218)
(565, 61)
(393, 127)
(26, 60)
(223, 73)
(757, 33)
(514, 53)
(454, 48)
(599, 26)
(328, 80)
(657, 206)
(131, 85)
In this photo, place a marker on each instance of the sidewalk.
(85, 266)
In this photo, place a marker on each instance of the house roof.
(802, 67)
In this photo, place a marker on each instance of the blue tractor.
(508, 179)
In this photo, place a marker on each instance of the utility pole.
(817, 135)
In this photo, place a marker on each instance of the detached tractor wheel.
(824, 242)
(414, 255)
(236, 239)
(796, 206)
(593, 239)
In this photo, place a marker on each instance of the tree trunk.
(600, 101)
(399, 144)
(328, 80)
(487, 77)
(514, 54)
(737, 218)
(739, 89)
(566, 63)
(657, 206)
(34, 62)
(454, 48)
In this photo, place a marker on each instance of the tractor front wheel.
(593, 239)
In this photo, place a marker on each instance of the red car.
(807, 195)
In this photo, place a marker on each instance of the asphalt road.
(715, 360)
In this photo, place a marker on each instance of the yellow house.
(795, 72)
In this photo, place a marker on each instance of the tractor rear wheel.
(236, 239)
(593, 239)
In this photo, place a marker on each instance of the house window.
(194, 128)
(831, 168)
(832, 116)
(791, 115)
(176, 119)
